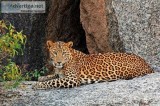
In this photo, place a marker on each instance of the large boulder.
(134, 22)
(95, 24)
(101, 26)
(142, 91)
(139, 24)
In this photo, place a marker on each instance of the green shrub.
(12, 43)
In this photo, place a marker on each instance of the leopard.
(76, 68)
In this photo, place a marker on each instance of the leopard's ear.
(49, 43)
(70, 44)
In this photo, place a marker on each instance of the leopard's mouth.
(59, 66)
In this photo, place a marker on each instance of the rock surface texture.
(95, 23)
(142, 91)
(101, 26)
(139, 27)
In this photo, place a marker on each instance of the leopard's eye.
(55, 53)
(51, 59)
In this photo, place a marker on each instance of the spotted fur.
(77, 68)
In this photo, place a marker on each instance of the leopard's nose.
(58, 62)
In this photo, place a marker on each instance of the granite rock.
(101, 26)
(142, 91)
(139, 27)
(94, 21)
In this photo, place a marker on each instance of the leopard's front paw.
(34, 86)
(46, 78)
(38, 86)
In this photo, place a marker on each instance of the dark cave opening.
(63, 24)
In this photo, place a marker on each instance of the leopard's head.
(59, 53)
